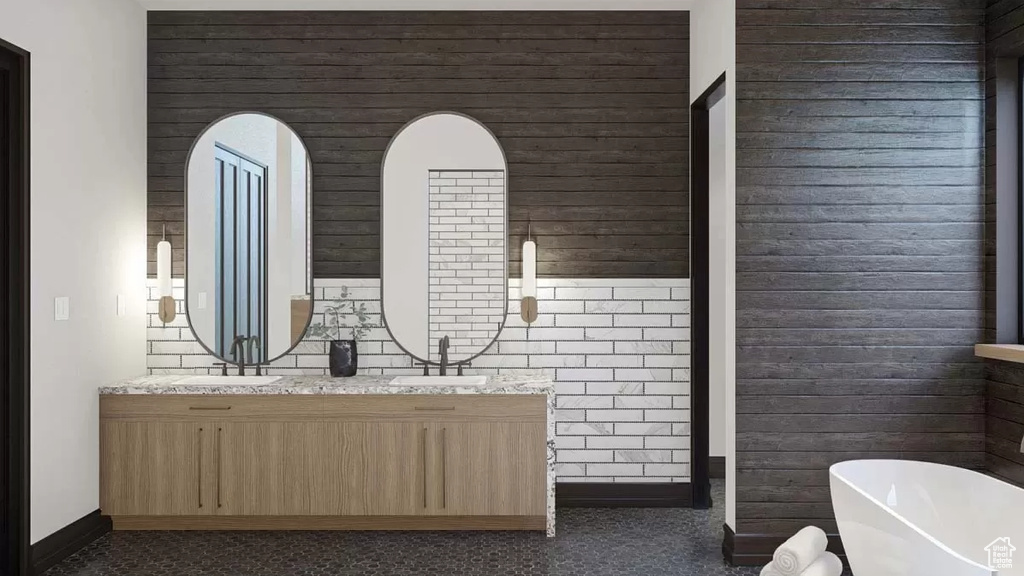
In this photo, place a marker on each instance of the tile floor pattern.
(591, 542)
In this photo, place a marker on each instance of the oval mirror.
(248, 275)
(443, 237)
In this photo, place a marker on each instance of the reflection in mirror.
(443, 237)
(248, 274)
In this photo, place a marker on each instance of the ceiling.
(416, 4)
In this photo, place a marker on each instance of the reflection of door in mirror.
(241, 254)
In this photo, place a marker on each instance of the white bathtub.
(903, 518)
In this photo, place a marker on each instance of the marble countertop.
(516, 383)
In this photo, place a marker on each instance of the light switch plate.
(201, 304)
(62, 308)
(122, 307)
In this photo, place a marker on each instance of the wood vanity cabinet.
(493, 468)
(152, 468)
(266, 468)
(372, 469)
(324, 462)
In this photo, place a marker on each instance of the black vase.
(344, 358)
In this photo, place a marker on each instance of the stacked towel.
(828, 564)
(800, 551)
(804, 555)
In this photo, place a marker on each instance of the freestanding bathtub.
(904, 518)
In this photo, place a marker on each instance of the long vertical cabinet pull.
(444, 469)
(220, 450)
(199, 469)
(424, 454)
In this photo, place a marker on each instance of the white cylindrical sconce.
(163, 280)
(530, 269)
(529, 288)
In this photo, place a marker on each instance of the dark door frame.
(700, 245)
(14, 311)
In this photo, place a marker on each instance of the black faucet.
(238, 352)
(443, 350)
(253, 360)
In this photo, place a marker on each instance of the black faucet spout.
(238, 352)
(255, 360)
(254, 341)
(443, 350)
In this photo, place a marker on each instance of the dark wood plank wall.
(1004, 422)
(591, 108)
(859, 244)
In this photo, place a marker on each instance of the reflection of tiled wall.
(618, 350)
(467, 259)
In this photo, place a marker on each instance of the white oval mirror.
(248, 274)
(444, 222)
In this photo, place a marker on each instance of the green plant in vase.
(342, 317)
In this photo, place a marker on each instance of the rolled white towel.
(800, 551)
(828, 564)
(769, 570)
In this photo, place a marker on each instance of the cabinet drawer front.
(275, 408)
(437, 407)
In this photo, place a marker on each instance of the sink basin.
(439, 381)
(228, 380)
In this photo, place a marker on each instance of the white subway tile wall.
(467, 260)
(623, 405)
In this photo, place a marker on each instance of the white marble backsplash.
(617, 349)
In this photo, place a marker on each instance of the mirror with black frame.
(444, 249)
(248, 277)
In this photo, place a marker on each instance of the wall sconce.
(528, 305)
(163, 279)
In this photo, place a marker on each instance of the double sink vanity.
(361, 453)
(210, 452)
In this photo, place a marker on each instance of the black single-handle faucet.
(238, 352)
(443, 351)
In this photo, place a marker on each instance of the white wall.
(416, 4)
(88, 122)
(712, 52)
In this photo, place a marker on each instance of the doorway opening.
(704, 159)
(14, 310)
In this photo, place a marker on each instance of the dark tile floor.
(591, 542)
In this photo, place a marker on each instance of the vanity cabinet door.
(491, 468)
(265, 468)
(375, 468)
(155, 468)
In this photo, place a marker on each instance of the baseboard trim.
(53, 549)
(716, 467)
(624, 495)
(330, 522)
(757, 549)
